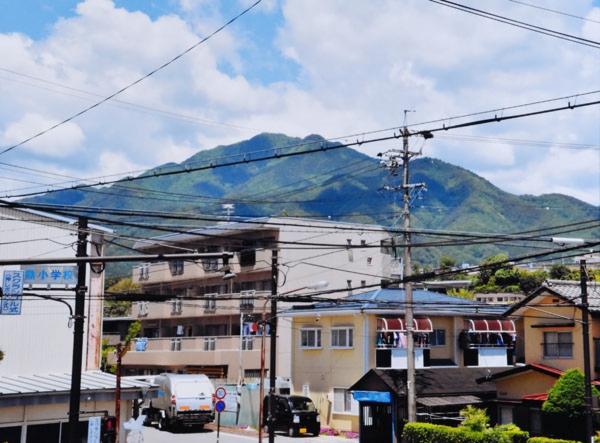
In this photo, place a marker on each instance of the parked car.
(293, 414)
(183, 399)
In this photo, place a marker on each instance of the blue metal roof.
(394, 299)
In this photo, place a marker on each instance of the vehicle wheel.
(316, 432)
(162, 424)
(292, 432)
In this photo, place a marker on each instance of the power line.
(139, 80)
(519, 24)
(277, 153)
(554, 11)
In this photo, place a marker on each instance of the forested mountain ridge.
(332, 183)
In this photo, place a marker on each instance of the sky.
(344, 69)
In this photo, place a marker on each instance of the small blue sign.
(50, 275)
(12, 293)
(220, 406)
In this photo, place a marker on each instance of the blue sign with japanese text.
(12, 292)
(50, 275)
(94, 430)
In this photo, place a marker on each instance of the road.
(152, 435)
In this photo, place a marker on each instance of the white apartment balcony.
(179, 270)
(189, 351)
(209, 305)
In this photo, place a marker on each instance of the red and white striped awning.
(490, 326)
(399, 324)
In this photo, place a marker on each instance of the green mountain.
(270, 175)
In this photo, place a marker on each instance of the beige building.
(211, 319)
(550, 322)
(336, 343)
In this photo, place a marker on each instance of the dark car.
(293, 414)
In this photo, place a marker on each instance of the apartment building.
(212, 319)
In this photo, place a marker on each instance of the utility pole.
(82, 233)
(119, 355)
(409, 193)
(589, 424)
(408, 295)
(273, 350)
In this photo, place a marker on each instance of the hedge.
(430, 433)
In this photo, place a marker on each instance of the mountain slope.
(339, 184)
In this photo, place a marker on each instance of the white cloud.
(62, 142)
(350, 68)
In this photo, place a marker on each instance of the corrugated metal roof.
(61, 383)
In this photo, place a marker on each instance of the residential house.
(336, 343)
(36, 331)
(213, 321)
(550, 322)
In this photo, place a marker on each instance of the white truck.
(183, 400)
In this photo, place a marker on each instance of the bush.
(429, 433)
(548, 440)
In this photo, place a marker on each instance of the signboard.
(12, 293)
(94, 430)
(50, 275)
(220, 406)
(220, 392)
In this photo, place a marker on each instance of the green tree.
(119, 308)
(462, 293)
(474, 419)
(530, 281)
(566, 404)
(490, 266)
(558, 271)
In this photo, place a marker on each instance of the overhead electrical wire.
(519, 24)
(320, 146)
(139, 80)
(554, 11)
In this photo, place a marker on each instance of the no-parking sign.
(221, 392)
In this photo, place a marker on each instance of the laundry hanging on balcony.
(391, 332)
(488, 332)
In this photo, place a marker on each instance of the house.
(213, 319)
(550, 322)
(337, 342)
(37, 333)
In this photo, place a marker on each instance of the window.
(176, 267)
(247, 343)
(210, 343)
(343, 403)
(310, 338)
(437, 337)
(210, 264)
(342, 338)
(558, 344)
(176, 306)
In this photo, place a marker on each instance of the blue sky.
(336, 68)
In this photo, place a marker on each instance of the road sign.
(12, 293)
(221, 392)
(50, 275)
(220, 406)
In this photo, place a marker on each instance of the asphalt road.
(209, 435)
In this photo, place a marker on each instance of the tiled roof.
(429, 382)
(569, 291)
